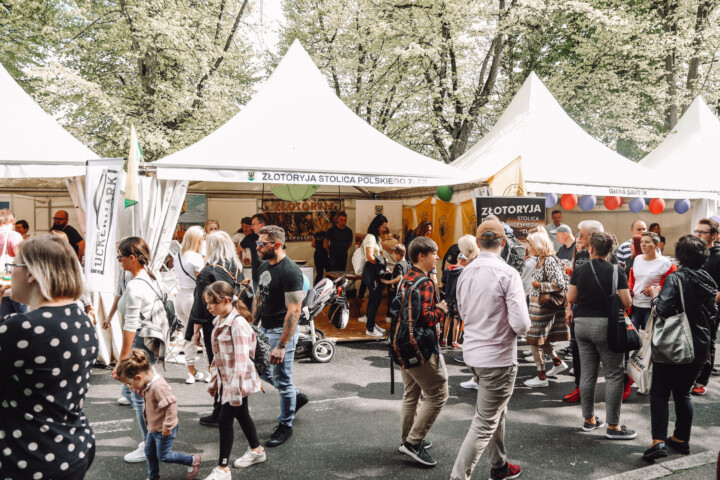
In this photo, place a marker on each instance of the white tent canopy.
(559, 156)
(32, 143)
(691, 152)
(295, 130)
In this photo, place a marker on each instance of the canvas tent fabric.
(32, 143)
(559, 156)
(295, 130)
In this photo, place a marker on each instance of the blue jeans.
(159, 449)
(640, 316)
(280, 376)
(136, 401)
(9, 306)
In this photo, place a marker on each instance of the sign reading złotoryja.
(519, 213)
(301, 219)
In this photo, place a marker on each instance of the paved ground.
(350, 429)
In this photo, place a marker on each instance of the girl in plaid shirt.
(233, 375)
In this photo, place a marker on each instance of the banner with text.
(102, 190)
(301, 219)
(519, 213)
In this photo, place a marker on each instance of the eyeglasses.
(701, 232)
(120, 257)
(10, 266)
(262, 244)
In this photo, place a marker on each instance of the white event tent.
(691, 154)
(559, 156)
(296, 130)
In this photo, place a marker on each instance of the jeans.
(487, 430)
(136, 401)
(280, 376)
(374, 299)
(159, 449)
(640, 316)
(9, 306)
(678, 380)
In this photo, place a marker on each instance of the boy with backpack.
(427, 373)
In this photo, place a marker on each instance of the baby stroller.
(325, 293)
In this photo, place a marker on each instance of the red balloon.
(622, 202)
(657, 205)
(611, 203)
(569, 201)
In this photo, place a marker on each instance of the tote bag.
(672, 340)
(640, 365)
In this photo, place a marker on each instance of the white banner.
(102, 186)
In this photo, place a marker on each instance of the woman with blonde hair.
(47, 356)
(187, 266)
(468, 247)
(548, 320)
(222, 264)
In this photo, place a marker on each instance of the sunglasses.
(262, 244)
(10, 266)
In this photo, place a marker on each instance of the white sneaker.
(381, 330)
(536, 382)
(470, 384)
(250, 458)
(218, 474)
(123, 401)
(363, 319)
(206, 378)
(557, 369)
(190, 379)
(374, 333)
(137, 455)
(388, 319)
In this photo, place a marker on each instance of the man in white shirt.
(491, 301)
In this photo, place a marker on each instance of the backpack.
(409, 345)
(174, 323)
(243, 289)
(262, 351)
(514, 253)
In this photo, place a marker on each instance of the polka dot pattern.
(41, 378)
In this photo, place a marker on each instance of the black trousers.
(704, 376)
(678, 380)
(228, 414)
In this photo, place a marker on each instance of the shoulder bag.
(183, 268)
(672, 340)
(622, 335)
(553, 300)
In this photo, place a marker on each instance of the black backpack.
(409, 344)
(514, 253)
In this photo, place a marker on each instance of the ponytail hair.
(139, 248)
(218, 291)
(137, 362)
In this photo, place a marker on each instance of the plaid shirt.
(232, 371)
(430, 315)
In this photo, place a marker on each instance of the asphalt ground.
(351, 427)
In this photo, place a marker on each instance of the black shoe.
(300, 401)
(427, 444)
(459, 359)
(655, 452)
(623, 434)
(418, 453)
(680, 447)
(589, 427)
(209, 421)
(279, 436)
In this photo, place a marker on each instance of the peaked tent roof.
(296, 130)
(692, 147)
(558, 155)
(32, 143)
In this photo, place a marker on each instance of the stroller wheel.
(319, 334)
(322, 351)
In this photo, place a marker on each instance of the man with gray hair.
(10, 240)
(491, 301)
(277, 306)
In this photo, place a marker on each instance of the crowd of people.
(488, 301)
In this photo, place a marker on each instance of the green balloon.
(444, 193)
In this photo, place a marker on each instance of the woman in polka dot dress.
(47, 356)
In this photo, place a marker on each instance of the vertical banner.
(102, 183)
(423, 211)
(519, 213)
(469, 219)
(408, 220)
(509, 180)
(444, 226)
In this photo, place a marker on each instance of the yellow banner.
(509, 182)
(444, 232)
(423, 211)
(469, 219)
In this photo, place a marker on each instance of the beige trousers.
(431, 378)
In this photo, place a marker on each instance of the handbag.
(553, 300)
(621, 332)
(640, 365)
(672, 340)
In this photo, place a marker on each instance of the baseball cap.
(562, 228)
(490, 230)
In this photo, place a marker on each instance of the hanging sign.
(519, 213)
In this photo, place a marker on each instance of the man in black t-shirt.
(60, 222)
(277, 305)
(257, 222)
(338, 240)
